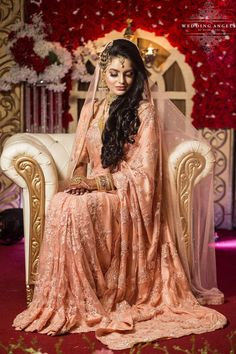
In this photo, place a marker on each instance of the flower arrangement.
(83, 54)
(36, 59)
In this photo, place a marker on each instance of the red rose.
(38, 64)
(11, 35)
(22, 49)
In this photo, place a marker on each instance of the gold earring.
(102, 82)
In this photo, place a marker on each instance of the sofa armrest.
(190, 162)
(27, 162)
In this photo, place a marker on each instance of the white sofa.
(38, 162)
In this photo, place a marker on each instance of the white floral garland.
(53, 73)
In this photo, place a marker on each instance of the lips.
(121, 88)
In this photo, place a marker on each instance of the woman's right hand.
(85, 185)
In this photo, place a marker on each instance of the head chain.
(105, 58)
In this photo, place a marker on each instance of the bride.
(112, 259)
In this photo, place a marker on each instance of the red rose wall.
(72, 22)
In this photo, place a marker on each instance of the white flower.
(60, 87)
(53, 73)
(87, 52)
(42, 48)
(34, 29)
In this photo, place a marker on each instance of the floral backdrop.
(75, 22)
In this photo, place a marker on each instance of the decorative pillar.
(222, 142)
(43, 109)
(10, 102)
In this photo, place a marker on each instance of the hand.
(80, 185)
(76, 191)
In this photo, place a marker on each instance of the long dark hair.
(123, 121)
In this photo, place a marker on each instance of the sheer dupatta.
(172, 128)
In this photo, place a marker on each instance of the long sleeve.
(81, 167)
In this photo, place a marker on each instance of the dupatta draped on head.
(173, 129)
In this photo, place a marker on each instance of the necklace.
(108, 101)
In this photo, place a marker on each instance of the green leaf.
(53, 58)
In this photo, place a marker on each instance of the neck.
(111, 97)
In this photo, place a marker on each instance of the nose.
(121, 79)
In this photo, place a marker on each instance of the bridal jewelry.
(75, 181)
(108, 101)
(121, 60)
(105, 183)
(105, 57)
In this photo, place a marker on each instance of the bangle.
(101, 183)
(109, 176)
(104, 183)
(75, 181)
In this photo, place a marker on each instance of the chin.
(120, 93)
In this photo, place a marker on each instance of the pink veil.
(175, 129)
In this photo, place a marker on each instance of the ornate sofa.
(38, 162)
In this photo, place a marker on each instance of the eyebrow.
(119, 70)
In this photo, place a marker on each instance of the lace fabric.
(111, 262)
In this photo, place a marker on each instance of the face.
(119, 75)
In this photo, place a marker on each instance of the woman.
(109, 260)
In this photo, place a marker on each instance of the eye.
(113, 74)
(130, 74)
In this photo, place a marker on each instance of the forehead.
(120, 64)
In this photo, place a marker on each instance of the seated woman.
(109, 261)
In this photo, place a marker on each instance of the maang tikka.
(105, 57)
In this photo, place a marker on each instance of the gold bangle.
(98, 183)
(104, 183)
(101, 183)
(75, 181)
(109, 176)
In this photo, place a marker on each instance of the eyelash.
(115, 75)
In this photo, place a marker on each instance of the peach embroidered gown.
(108, 263)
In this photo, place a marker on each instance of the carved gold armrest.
(30, 165)
(191, 161)
(31, 172)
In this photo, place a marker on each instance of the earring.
(102, 82)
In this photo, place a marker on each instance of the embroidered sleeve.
(81, 167)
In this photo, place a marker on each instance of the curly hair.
(123, 121)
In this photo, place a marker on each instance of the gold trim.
(11, 112)
(32, 173)
(189, 168)
(29, 293)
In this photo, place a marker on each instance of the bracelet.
(104, 183)
(75, 181)
(109, 176)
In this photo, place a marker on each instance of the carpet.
(13, 301)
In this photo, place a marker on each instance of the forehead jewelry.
(105, 58)
(121, 60)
